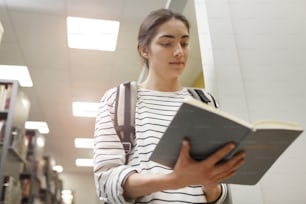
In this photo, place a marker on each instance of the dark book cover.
(208, 129)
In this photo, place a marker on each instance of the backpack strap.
(203, 96)
(213, 100)
(125, 114)
(125, 106)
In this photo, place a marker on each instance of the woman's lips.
(176, 63)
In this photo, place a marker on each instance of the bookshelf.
(32, 173)
(51, 191)
(14, 110)
(39, 183)
(26, 174)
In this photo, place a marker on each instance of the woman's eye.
(165, 44)
(169, 44)
(184, 44)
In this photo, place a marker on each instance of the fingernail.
(232, 146)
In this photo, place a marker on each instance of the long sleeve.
(223, 195)
(110, 170)
(222, 199)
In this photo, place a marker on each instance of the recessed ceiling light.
(58, 168)
(93, 34)
(40, 141)
(67, 196)
(20, 73)
(84, 143)
(66, 192)
(42, 127)
(85, 109)
(84, 162)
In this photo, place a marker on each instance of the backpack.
(125, 106)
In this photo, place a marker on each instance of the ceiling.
(35, 36)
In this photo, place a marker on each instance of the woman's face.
(169, 49)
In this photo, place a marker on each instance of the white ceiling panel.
(11, 54)
(9, 35)
(84, 59)
(44, 6)
(103, 9)
(42, 38)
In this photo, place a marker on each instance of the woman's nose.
(178, 50)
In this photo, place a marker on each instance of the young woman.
(163, 44)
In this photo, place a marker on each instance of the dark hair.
(152, 22)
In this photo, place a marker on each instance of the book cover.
(208, 129)
(2, 130)
(3, 92)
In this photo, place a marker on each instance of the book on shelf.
(3, 92)
(11, 191)
(5, 95)
(16, 139)
(208, 129)
(2, 130)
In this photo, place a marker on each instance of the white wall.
(254, 59)
(83, 186)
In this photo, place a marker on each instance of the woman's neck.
(167, 86)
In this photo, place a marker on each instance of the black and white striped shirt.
(154, 111)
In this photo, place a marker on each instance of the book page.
(199, 104)
(269, 124)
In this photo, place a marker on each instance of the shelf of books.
(39, 183)
(52, 187)
(32, 173)
(14, 110)
(26, 175)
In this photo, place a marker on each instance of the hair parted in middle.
(150, 25)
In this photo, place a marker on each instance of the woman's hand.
(186, 172)
(209, 172)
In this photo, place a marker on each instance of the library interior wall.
(255, 59)
(199, 82)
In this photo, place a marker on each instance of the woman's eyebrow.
(172, 36)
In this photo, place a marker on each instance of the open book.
(209, 129)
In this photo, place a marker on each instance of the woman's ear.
(144, 52)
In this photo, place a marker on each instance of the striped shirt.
(154, 111)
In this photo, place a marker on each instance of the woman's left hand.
(208, 172)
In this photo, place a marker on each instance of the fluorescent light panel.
(93, 34)
(85, 143)
(66, 192)
(84, 162)
(85, 109)
(58, 168)
(42, 127)
(67, 196)
(20, 73)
